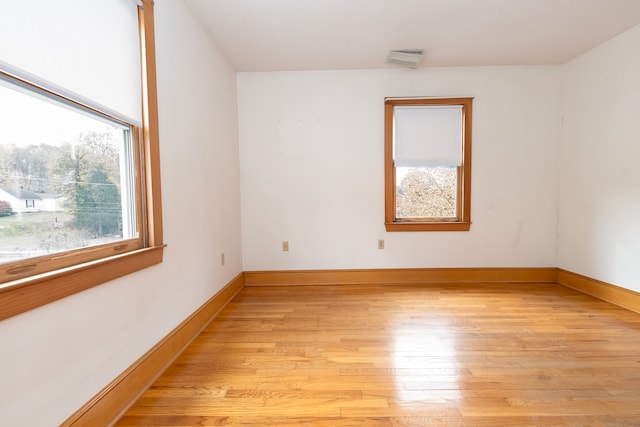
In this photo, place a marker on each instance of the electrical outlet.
(222, 258)
(285, 246)
(380, 244)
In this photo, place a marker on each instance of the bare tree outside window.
(428, 192)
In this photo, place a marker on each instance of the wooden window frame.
(463, 221)
(92, 266)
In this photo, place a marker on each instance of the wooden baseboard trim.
(400, 276)
(109, 405)
(605, 291)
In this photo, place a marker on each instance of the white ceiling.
(270, 35)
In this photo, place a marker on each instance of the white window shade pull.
(427, 136)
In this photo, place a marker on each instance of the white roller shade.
(427, 135)
(88, 48)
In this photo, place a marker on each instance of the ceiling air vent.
(410, 58)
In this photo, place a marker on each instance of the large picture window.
(79, 154)
(428, 164)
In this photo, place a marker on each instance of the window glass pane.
(66, 176)
(426, 192)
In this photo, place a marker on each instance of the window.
(80, 166)
(79, 154)
(428, 164)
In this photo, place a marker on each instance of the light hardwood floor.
(405, 355)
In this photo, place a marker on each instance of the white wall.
(55, 358)
(311, 145)
(599, 204)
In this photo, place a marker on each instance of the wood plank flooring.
(405, 355)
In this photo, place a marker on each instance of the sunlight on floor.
(424, 362)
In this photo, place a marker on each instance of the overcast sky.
(26, 120)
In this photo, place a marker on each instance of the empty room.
(323, 213)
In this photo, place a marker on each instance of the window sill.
(427, 226)
(26, 294)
